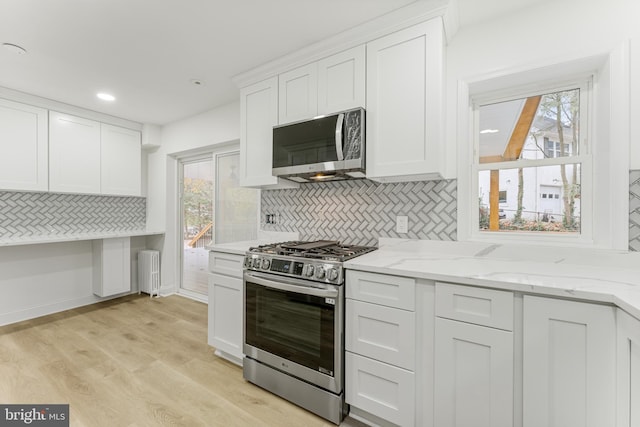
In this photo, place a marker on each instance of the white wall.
(547, 33)
(209, 129)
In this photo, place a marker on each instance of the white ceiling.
(145, 52)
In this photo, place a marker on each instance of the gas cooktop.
(319, 261)
(327, 250)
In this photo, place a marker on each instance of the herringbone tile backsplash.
(36, 214)
(634, 210)
(360, 211)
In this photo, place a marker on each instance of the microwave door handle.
(339, 123)
(325, 293)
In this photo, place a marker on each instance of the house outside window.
(531, 146)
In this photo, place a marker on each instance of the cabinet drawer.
(380, 389)
(224, 263)
(381, 333)
(485, 307)
(392, 291)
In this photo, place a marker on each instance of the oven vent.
(149, 272)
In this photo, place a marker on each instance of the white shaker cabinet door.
(298, 94)
(568, 363)
(473, 375)
(121, 170)
(225, 314)
(23, 147)
(342, 81)
(74, 154)
(404, 103)
(258, 115)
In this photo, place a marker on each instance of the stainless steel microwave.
(325, 148)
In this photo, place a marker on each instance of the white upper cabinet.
(120, 153)
(24, 147)
(258, 115)
(404, 104)
(342, 81)
(74, 154)
(333, 84)
(90, 157)
(298, 93)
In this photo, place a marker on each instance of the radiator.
(149, 272)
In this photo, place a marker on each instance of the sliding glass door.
(214, 209)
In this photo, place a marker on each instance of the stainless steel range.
(294, 322)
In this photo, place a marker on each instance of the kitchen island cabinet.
(24, 146)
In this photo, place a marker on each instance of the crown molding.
(414, 13)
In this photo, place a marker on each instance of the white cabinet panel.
(341, 81)
(111, 266)
(383, 390)
(628, 370)
(121, 169)
(473, 376)
(24, 147)
(298, 94)
(569, 363)
(404, 103)
(74, 154)
(392, 291)
(225, 314)
(481, 306)
(225, 305)
(382, 333)
(224, 263)
(258, 115)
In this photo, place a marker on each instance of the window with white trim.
(532, 145)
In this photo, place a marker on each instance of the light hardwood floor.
(135, 361)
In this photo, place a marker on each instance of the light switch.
(402, 224)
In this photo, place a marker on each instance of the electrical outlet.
(402, 224)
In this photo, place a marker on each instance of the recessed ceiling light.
(197, 82)
(14, 48)
(106, 96)
(489, 131)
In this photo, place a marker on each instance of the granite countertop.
(589, 274)
(57, 238)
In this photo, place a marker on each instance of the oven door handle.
(290, 287)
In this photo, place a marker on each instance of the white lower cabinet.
(628, 370)
(380, 389)
(380, 346)
(474, 375)
(111, 266)
(225, 305)
(569, 363)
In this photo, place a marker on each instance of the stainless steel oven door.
(295, 326)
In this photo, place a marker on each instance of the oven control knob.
(256, 263)
(320, 273)
(308, 270)
(266, 263)
(332, 274)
